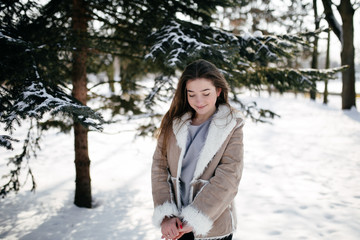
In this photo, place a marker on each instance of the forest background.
(85, 65)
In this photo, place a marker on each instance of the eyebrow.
(206, 89)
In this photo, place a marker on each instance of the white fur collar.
(222, 124)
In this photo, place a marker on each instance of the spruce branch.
(5, 141)
(34, 99)
(30, 146)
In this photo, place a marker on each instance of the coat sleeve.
(162, 192)
(221, 189)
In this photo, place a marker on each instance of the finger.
(185, 230)
(174, 232)
(166, 236)
(180, 235)
(165, 230)
(179, 223)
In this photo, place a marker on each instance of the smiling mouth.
(201, 107)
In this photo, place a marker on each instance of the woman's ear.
(218, 91)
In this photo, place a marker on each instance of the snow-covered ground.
(301, 180)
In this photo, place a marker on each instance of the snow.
(10, 39)
(300, 181)
(175, 36)
(258, 34)
(247, 35)
(180, 43)
(48, 100)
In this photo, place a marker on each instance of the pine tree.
(266, 16)
(314, 60)
(62, 41)
(247, 61)
(57, 42)
(345, 34)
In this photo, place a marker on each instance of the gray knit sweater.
(195, 142)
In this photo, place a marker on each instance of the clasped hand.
(173, 228)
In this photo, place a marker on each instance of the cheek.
(190, 101)
(214, 98)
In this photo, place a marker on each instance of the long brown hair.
(180, 105)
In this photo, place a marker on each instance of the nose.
(198, 100)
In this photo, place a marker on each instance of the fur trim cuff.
(200, 223)
(165, 210)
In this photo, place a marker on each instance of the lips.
(201, 107)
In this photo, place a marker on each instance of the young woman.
(198, 161)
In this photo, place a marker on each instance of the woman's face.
(202, 95)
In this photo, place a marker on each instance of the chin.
(202, 112)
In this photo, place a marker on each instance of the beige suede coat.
(211, 211)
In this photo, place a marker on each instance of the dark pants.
(190, 236)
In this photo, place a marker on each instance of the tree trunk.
(348, 54)
(327, 65)
(330, 18)
(314, 62)
(82, 161)
(116, 73)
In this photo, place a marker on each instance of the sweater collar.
(223, 122)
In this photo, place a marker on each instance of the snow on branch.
(180, 41)
(33, 100)
(160, 82)
(30, 146)
(245, 60)
(269, 48)
(11, 39)
(284, 79)
(5, 141)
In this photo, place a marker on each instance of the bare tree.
(327, 65)
(314, 61)
(345, 33)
